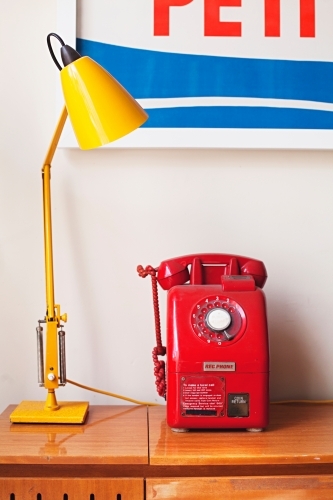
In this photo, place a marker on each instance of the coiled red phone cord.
(159, 350)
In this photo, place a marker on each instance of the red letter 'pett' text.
(162, 15)
(213, 25)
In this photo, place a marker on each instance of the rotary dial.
(217, 320)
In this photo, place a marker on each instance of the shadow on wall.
(294, 373)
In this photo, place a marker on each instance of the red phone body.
(217, 343)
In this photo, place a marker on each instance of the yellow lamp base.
(33, 412)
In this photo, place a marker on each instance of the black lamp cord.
(51, 50)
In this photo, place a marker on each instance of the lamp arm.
(46, 176)
(56, 137)
(53, 317)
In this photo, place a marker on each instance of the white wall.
(114, 209)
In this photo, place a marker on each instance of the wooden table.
(114, 456)
(76, 462)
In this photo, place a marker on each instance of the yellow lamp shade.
(99, 107)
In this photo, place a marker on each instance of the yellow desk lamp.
(101, 111)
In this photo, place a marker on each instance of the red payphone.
(217, 370)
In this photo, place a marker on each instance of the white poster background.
(129, 23)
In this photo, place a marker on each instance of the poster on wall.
(217, 73)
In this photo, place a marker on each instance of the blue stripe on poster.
(239, 117)
(152, 74)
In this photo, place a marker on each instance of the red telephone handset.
(217, 341)
(208, 269)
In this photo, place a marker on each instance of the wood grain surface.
(110, 435)
(240, 488)
(297, 434)
(113, 443)
(71, 489)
